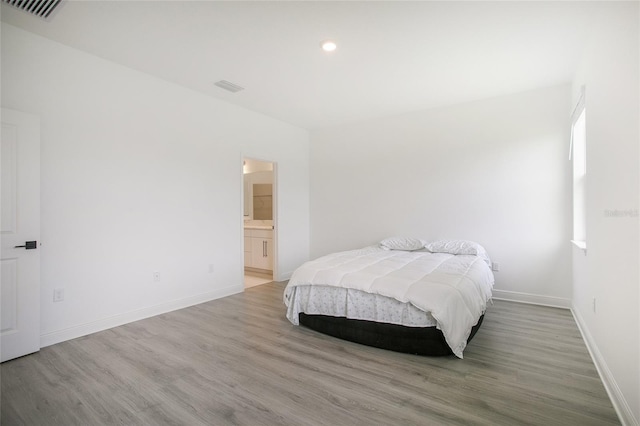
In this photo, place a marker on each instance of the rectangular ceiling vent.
(40, 8)
(224, 84)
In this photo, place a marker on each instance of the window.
(579, 160)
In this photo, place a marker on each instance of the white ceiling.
(392, 57)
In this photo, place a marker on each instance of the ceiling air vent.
(224, 84)
(40, 8)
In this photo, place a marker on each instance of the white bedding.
(355, 304)
(451, 289)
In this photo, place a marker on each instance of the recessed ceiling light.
(328, 45)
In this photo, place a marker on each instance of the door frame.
(274, 209)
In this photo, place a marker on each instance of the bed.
(402, 294)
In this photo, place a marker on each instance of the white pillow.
(459, 247)
(402, 243)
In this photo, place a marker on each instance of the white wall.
(609, 271)
(140, 175)
(493, 171)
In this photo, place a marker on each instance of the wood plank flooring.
(252, 279)
(238, 361)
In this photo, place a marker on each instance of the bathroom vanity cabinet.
(258, 249)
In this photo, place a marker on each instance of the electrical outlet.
(495, 266)
(156, 276)
(58, 294)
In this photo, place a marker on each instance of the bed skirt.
(398, 338)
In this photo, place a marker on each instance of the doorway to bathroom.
(259, 191)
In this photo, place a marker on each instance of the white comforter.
(454, 289)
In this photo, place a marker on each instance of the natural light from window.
(579, 151)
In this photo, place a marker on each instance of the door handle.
(28, 245)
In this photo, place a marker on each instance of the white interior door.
(20, 235)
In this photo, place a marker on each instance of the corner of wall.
(618, 400)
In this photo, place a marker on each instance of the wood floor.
(239, 361)
(252, 279)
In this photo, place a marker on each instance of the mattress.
(409, 288)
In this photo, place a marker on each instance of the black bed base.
(398, 338)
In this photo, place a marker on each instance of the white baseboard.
(59, 336)
(533, 299)
(615, 394)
